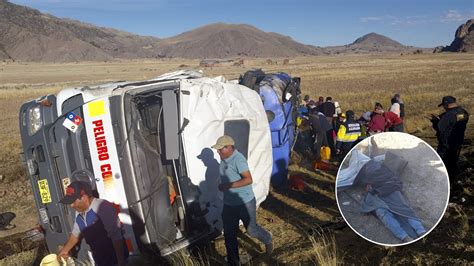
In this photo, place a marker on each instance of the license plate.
(44, 215)
(44, 191)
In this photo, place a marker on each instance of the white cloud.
(455, 16)
(370, 19)
(450, 16)
(394, 20)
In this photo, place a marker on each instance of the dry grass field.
(356, 82)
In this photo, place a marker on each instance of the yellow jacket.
(349, 131)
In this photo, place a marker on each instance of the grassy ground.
(356, 82)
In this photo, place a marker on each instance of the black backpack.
(252, 79)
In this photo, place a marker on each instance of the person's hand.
(368, 188)
(224, 186)
(63, 254)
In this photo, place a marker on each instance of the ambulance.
(145, 147)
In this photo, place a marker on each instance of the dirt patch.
(17, 197)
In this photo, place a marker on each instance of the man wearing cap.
(98, 223)
(239, 199)
(450, 127)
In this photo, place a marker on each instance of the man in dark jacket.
(450, 127)
(328, 109)
(320, 127)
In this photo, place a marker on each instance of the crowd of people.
(340, 131)
(323, 123)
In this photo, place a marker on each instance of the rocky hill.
(373, 43)
(376, 41)
(463, 39)
(229, 40)
(29, 35)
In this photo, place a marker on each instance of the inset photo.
(392, 189)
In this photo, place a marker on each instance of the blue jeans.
(389, 220)
(231, 215)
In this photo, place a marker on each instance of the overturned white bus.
(146, 146)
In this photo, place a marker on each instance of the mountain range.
(27, 34)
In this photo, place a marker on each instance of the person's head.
(393, 100)
(313, 110)
(397, 96)
(350, 114)
(342, 117)
(366, 116)
(311, 105)
(447, 102)
(306, 98)
(328, 99)
(378, 106)
(224, 146)
(78, 196)
(321, 99)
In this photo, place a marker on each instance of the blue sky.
(323, 23)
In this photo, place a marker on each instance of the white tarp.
(346, 176)
(180, 74)
(209, 103)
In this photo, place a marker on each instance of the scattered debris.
(6, 219)
(296, 182)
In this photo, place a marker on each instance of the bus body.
(145, 147)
